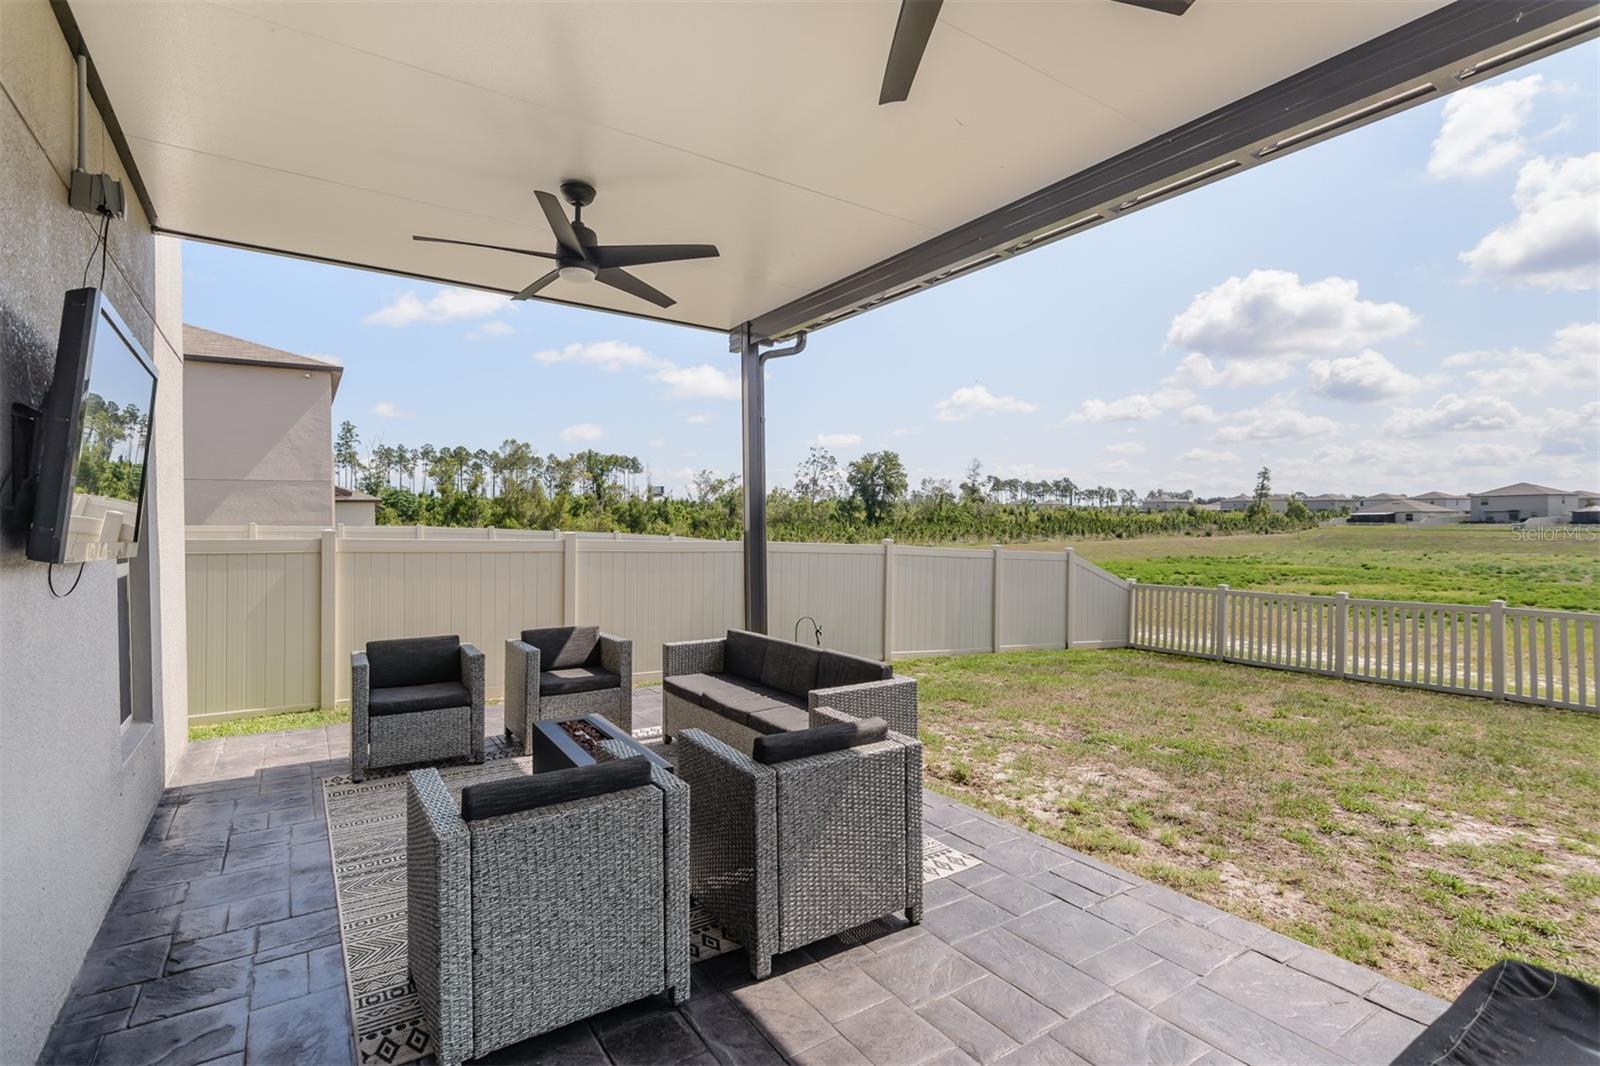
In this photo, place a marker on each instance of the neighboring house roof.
(1399, 505)
(1330, 496)
(208, 346)
(1524, 488)
(342, 493)
(1440, 496)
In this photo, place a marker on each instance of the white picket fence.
(274, 612)
(1500, 652)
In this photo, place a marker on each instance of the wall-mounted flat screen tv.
(93, 438)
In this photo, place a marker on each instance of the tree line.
(868, 498)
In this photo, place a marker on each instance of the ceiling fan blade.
(494, 247)
(627, 255)
(621, 279)
(1166, 7)
(536, 286)
(911, 34)
(565, 236)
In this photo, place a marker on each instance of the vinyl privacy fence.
(1500, 652)
(274, 612)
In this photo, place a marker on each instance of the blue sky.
(1412, 306)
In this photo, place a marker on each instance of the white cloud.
(698, 418)
(604, 355)
(1482, 128)
(445, 305)
(492, 328)
(1270, 316)
(1454, 412)
(1365, 378)
(1487, 454)
(1208, 455)
(386, 409)
(1138, 407)
(657, 442)
(1554, 242)
(703, 382)
(1574, 364)
(1277, 419)
(836, 440)
(978, 400)
(583, 432)
(1199, 371)
(1575, 434)
(1127, 447)
(1197, 414)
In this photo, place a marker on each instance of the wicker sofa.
(788, 850)
(747, 685)
(541, 900)
(567, 672)
(415, 700)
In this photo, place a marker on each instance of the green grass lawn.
(1424, 835)
(1442, 564)
(269, 723)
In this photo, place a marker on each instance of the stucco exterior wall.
(355, 512)
(1499, 508)
(259, 445)
(76, 787)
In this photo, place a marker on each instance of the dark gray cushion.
(691, 687)
(407, 699)
(745, 654)
(564, 646)
(836, 736)
(790, 667)
(574, 679)
(494, 798)
(732, 697)
(778, 719)
(837, 668)
(413, 661)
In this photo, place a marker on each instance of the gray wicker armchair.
(414, 700)
(567, 672)
(789, 853)
(522, 918)
(747, 685)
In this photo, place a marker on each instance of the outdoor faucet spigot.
(816, 630)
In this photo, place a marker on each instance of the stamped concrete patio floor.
(223, 946)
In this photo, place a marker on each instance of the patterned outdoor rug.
(367, 834)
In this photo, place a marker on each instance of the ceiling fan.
(578, 256)
(915, 25)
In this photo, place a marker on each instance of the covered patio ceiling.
(336, 131)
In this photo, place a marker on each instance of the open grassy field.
(1441, 564)
(1421, 834)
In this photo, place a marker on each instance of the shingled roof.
(208, 346)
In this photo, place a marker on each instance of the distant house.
(1402, 509)
(1445, 499)
(1514, 503)
(352, 508)
(1158, 502)
(1328, 501)
(1277, 503)
(257, 433)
